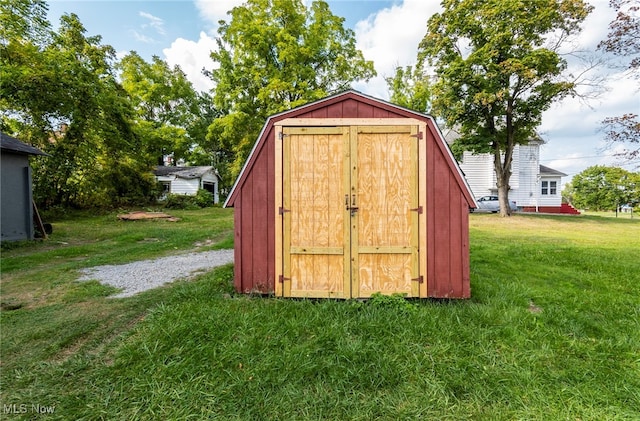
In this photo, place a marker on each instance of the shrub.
(202, 199)
(180, 201)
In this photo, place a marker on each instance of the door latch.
(350, 206)
(354, 207)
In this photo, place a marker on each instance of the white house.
(534, 187)
(188, 180)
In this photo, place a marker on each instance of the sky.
(183, 33)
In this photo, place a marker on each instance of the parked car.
(491, 204)
(626, 208)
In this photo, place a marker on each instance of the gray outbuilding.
(16, 194)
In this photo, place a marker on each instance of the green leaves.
(605, 188)
(275, 55)
(24, 20)
(498, 69)
(60, 93)
(410, 88)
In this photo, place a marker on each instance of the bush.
(202, 199)
(180, 201)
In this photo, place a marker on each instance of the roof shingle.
(9, 143)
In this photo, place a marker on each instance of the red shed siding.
(254, 229)
(447, 227)
(447, 206)
(350, 109)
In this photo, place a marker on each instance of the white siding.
(190, 186)
(528, 175)
(525, 181)
(551, 199)
(478, 170)
(185, 186)
(481, 175)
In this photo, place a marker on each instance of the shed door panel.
(314, 252)
(385, 179)
(349, 222)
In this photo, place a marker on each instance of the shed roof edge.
(270, 120)
(11, 144)
(457, 166)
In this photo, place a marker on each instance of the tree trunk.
(503, 174)
(503, 199)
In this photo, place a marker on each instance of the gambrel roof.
(340, 105)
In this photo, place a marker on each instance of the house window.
(166, 187)
(210, 187)
(549, 188)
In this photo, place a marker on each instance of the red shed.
(348, 196)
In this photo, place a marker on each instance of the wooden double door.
(350, 211)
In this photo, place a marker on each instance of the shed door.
(350, 197)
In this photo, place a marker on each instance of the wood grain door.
(350, 211)
(384, 230)
(316, 261)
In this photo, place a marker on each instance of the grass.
(552, 331)
(44, 271)
(612, 214)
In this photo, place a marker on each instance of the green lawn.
(552, 331)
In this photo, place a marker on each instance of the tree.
(274, 55)
(96, 114)
(204, 151)
(24, 20)
(58, 91)
(625, 130)
(410, 88)
(624, 33)
(497, 70)
(624, 40)
(24, 34)
(165, 103)
(605, 188)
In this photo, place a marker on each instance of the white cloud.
(192, 57)
(215, 10)
(141, 37)
(154, 22)
(121, 54)
(390, 38)
(568, 164)
(573, 126)
(596, 26)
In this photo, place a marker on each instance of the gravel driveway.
(140, 276)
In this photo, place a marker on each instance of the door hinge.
(281, 279)
(281, 135)
(418, 209)
(417, 135)
(282, 210)
(419, 279)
